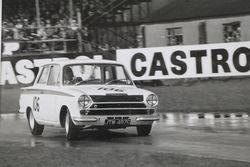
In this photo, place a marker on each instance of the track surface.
(200, 96)
(179, 140)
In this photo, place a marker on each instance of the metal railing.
(59, 39)
(31, 41)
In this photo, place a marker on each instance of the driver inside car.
(68, 76)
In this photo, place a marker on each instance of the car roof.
(82, 61)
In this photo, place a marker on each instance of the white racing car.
(78, 94)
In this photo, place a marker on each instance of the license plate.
(117, 121)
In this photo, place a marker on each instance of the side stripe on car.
(42, 91)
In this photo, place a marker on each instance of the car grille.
(117, 98)
(118, 105)
(121, 112)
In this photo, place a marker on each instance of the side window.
(54, 75)
(44, 75)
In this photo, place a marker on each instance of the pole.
(148, 8)
(139, 12)
(70, 10)
(79, 34)
(38, 20)
(131, 13)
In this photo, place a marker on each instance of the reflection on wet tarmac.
(16, 129)
(210, 135)
(210, 122)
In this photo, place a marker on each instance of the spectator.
(26, 30)
(47, 15)
(72, 31)
(87, 38)
(18, 24)
(49, 30)
(41, 33)
(7, 31)
(33, 31)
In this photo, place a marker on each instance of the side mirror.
(139, 84)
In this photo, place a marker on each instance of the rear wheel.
(35, 128)
(144, 130)
(71, 130)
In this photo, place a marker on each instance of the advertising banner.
(189, 61)
(22, 70)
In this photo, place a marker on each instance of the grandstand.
(73, 25)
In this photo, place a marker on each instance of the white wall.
(156, 33)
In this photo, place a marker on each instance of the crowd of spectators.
(54, 21)
(23, 30)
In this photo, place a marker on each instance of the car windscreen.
(109, 74)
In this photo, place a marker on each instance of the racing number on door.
(36, 104)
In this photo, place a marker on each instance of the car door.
(39, 98)
(53, 90)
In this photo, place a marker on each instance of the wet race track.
(176, 140)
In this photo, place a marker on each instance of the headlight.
(84, 101)
(152, 100)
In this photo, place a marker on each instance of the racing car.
(83, 94)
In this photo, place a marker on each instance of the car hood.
(109, 89)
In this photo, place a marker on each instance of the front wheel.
(35, 128)
(143, 130)
(71, 130)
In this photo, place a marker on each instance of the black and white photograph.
(125, 83)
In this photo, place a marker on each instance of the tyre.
(143, 130)
(35, 128)
(71, 130)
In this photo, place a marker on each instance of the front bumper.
(100, 120)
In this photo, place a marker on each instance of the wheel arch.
(63, 111)
(28, 110)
